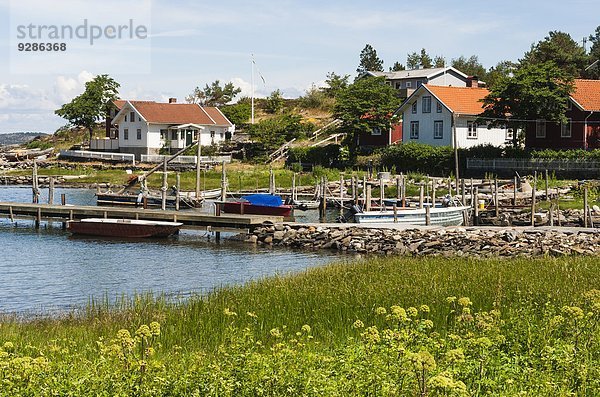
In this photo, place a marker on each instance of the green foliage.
(39, 144)
(327, 156)
(369, 61)
(381, 327)
(502, 69)
(275, 131)
(366, 104)
(335, 84)
(437, 160)
(594, 72)
(93, 105)
(562, 50)
(422, 60)
(397, 66)
(239, 113)
(314, 98)
(470, 66)
(214, 94)
(275, 102)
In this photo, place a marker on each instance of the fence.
(513, 164)
(81, 155)
(104, 144)
(156, 158)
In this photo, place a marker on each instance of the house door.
(189, 136)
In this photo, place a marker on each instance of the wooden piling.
(398, 188)
(476, 204)
(163, 204)
(450, 186)
(395, 213)
(294, 196)
(427, 215)
(496, 203)
(551, 212)
(177, 194)
(342, 186)
(421, 194)
(223, 182)
(51, 190)
(433, 187)
(322, 200)
(515, 191)
(585, 207)
(403, 196)
(198, 163)
(463, 195)
(368, 198)
(547, 183)
(533, 204)
(381, 193)
(364, 192)
(558, 207)
(34, 184)
(10, 212)
(428, 180)
(63, 199)
(38, 219)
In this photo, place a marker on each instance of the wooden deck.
(190, 219)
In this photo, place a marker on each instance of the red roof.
(462, 100)
(177, 113)
(587, 94)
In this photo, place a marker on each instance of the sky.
(295, 44)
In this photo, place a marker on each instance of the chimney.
(172, 100)
(472, 81)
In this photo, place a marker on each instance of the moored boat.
(258, 204)
(129, 228)
(443, 216)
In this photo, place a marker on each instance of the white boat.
(443, 216)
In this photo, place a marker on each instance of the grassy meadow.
(394, 326)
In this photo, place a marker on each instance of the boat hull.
(242, 207)
(443, 216)
(124, 228)
(113, 199)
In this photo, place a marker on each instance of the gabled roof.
(587, 94)
(459, 100)
(175, 113)
(415, 73)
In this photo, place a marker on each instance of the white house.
(407, 81)
(145, 127)
(429, 113)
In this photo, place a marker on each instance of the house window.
(565, 129)
(438, 108)
(140, 119)
(426, 107)
(174, 136)
(540, 128)
(398, 85)
(125, 118)
(408, 84)
(132, 117)
(438, 129)
(509, 134)
(419, 83)
(471, 130)
(414, 130)
(414, 107)
(139, 134)
(163, 134)
(221, 135)
(374, 131)
(126, 133)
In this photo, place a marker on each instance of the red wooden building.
(582, 131)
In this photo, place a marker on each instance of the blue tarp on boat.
(267, 200)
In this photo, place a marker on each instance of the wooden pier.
(190, 219)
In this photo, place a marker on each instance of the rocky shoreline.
(455, 241)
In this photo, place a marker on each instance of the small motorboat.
(129, 228)
(439, 215)
(258, 204)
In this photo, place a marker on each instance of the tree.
(535, 91)
(502, 69)
(213, 94)
(397, 67)
(335, 83)
(439, 61)
(275, 102)
(369, 61)
(239, 113)
(416, 60)
(594, 72)
(470, 66)
(366, 104)
(93, 105)
(561, 49)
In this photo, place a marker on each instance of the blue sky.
(296, 43)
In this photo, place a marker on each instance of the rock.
(253, 239)
(268, 240)
(278, 235)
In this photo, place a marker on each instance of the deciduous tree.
(561, 49)
(93, 105)
(214, 94)
(470, 66)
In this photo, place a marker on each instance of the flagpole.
(252, 100)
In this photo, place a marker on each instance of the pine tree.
(369, 61)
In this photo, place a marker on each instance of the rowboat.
(129, 228)
(257, 204)
(439, 215)
(137, 200)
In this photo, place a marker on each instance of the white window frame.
(426, 104)
(413, 108)
(540, 128)
(132, 117)
(126, 134)
(472, 130)
(408, 84)
(374, 131)
(414, 130)
(438, 107)
(438, 129)
(565, 129)
(164, 134)
(509, 134)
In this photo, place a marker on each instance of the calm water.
(48, 270)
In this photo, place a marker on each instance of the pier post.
(533, 203)
(177, 194)
(421, 193)
(271, 181)
(395, 213)
(322, 200)
(450, 186)
(163, 205)
(585, 207)
(476, 205)
(354, 189)
(381, 193)
(51, 190)
(515, 191)
(198, 153)
(38, 218)
(398, 188)
(463, 196)
(294, 196)
(558, 207)
(403, 194)
(427, 215)
(496, 204)
(368, 198)
(433, 187)
(34, 184)
(364, 192)
(547, 183)
(223, 182)
(63, 199)
(428, 180)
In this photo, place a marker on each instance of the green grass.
(520, 330)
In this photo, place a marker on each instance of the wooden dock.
(190, 219)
